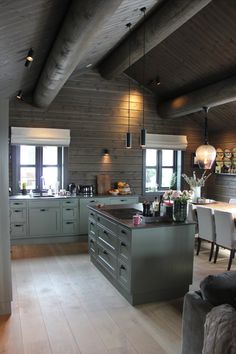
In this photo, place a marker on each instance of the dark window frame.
(177, 168)
(15, 166)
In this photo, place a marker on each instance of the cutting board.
(103, 184)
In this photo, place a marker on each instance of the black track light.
(29, 58)
(19, 95)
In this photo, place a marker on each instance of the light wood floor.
(62, 304)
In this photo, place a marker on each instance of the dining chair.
(232, 201)
(206, 228)
(225, 234)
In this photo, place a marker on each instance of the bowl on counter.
(114, 192)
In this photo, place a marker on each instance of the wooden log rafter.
(159, 25)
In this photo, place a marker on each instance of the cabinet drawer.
(92, 227)
(69, 213)
(124, 200)
(70, 202)
(92, 246)
(70, 227)
(18, 203)
(123, 275)
(124, 249)
(107, 223)
(18, 230)
(124, 232)
(44, 203)
(106, 259)
(107, 238)
(18, 214)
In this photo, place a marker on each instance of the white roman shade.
(164, 141)
(40, 136)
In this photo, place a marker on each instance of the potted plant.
(24, 190)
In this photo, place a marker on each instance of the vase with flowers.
(196, 184)
(180, 202)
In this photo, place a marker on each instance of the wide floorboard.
(62, 305)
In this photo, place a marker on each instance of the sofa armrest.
(195, 310)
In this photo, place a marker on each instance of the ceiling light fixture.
(19, 95)
(205, 154)
(143, 130)
(106, 152)
(156, 81)
(29, 58)
(129, 134)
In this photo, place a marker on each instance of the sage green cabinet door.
(44, 221)
(83, 211)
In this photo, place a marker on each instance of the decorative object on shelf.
(123, 188)
(205, 154)
(129, 134)
(225, 161)
(143, 130)
(219, 160)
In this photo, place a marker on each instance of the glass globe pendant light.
(205, 154)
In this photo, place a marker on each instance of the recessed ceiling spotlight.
(19, 95)
(156, 82)
(29, 58)
(89, 65)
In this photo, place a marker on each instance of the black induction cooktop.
(126, 213)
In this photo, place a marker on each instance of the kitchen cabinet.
(85, 202)
(44, 220)
(147, 262)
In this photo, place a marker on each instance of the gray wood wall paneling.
(96, 112)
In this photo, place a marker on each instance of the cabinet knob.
(123, 244)
(91, 223)
(105, 232)
(122, 267)
(123, 232)
(105, 252)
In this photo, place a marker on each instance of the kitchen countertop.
(28, 197)
(118, 213)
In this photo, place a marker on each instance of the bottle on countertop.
(161, 206)
(155, 207)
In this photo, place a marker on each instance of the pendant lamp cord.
(129, 26)
(206, 109)
(143, 9)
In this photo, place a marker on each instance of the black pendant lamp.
(205, 154)
(129, 134)
(143, 130)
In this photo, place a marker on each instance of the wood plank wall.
(223, 187)
(96, 112)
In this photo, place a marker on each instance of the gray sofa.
(214, 291)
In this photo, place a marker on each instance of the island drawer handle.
(68, 202)
(99, 219)
(122, 267)
(16, 225)
(69, 222)
(123, 200)
(123, 244)
(123, 232)
(17, 203)
(17, 211)
(91, 223)
(105, 232)
(92, 201)
(68, 209)
(92, 214)
(42, 209)
(91, 241)
(105, 252)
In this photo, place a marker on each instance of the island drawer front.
(92, 227)
(92, 245)
(18, 230)
(69, 213)
(70, 202)
(92, 215)
(70, 227)
(44, 203)
(18, 203)
(106, 259)
(107, 223)
(123, 274)
(18, 214)
(107, 238)
(124, 232)
(124, 249)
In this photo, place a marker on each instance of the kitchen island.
(148, 262)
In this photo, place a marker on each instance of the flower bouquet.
(193, 181)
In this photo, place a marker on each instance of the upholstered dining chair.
(232, 201)
(225, 234)
(206, 228)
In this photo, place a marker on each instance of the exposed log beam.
(164, 21)
(210, 96)
(81, 25)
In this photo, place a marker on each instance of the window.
(160, 165)
(40, 167)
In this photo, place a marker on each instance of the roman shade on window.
(40, 136)
(164, 141)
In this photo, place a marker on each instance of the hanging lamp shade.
(205, 154)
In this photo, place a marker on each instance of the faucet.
(41, 185)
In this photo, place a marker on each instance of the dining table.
(212, 204)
